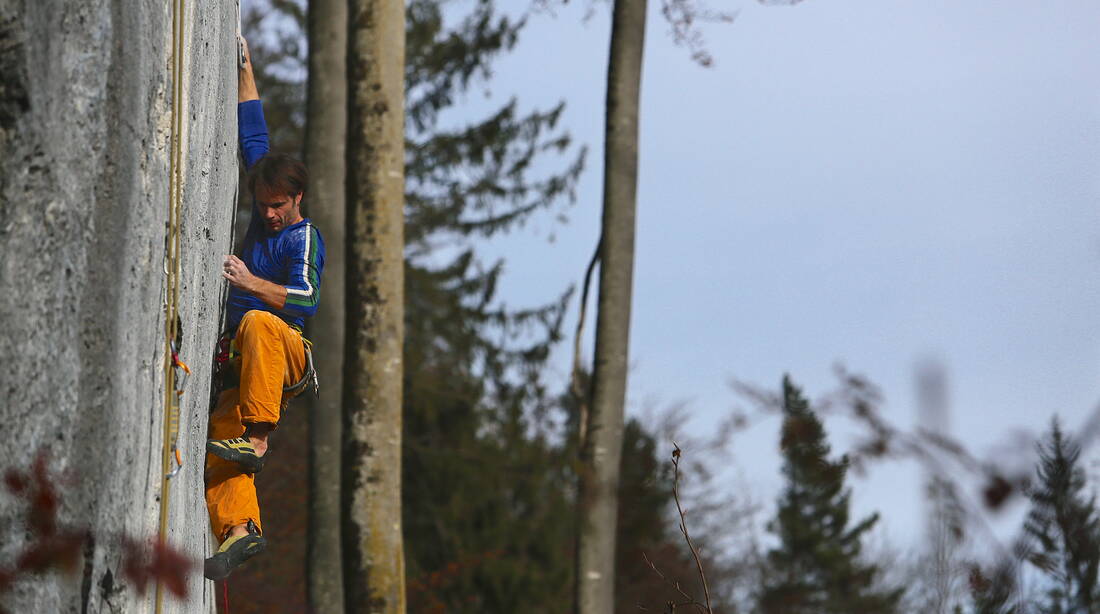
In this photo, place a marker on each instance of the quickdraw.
(181, 374)
(226, 354)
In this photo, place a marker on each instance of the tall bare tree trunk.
(326, 128)
(602, 448)
(374, 561)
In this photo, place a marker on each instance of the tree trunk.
(374, 562)
(602, 448)
(86, 104)
(326, 123)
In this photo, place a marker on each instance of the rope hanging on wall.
(173, 329)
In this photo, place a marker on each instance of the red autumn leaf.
(15, 481)
(158, 563)
(997, 492)
(43, 510)
(48, 552)
(171, 567)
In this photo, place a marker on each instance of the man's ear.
(298, 198)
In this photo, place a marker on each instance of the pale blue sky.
(872, 182)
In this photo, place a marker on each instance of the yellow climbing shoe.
(237, 450)
(233, 551)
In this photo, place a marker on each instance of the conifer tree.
(487, 491)
(816, 568)
(1064, 525)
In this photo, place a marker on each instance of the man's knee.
(258, 320)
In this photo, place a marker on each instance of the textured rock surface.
(85, 116)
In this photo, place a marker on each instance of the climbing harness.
(226, 369)
(310, 375)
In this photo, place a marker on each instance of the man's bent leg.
(272, 356)
(230, 494)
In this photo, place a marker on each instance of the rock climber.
(274, 286)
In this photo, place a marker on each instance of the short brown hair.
(279, 173)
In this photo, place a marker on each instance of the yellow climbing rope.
(172, 389)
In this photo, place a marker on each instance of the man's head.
(278, 182)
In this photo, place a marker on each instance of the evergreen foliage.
(487, 490)
(817, 568)
(994, 593)
(1064, 526)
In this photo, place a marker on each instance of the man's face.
(278, 210)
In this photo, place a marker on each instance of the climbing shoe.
(237, 450)
(233, 551)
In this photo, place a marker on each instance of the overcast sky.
(870, 182)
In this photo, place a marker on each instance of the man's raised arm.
(251, 127)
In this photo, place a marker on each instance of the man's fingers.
(234, 270)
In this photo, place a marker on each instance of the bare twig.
(684, 16)
(689, 600)
(676, 585)
(683, 524)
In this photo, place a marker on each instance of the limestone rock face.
(85, 127)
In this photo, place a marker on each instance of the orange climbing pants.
(272, 357)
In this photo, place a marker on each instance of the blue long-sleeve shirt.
(293, 257)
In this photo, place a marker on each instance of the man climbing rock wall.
(85, 124)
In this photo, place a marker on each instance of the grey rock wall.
(85, 118)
